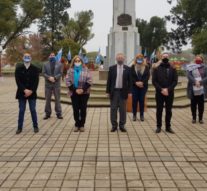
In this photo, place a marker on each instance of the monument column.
(124, 36)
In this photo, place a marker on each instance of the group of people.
(122, 81)
(78, 81)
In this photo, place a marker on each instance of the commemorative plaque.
(124, 20)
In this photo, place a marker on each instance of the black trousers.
(118, 103)
(79, 103)
(162, 101)
(197, 101)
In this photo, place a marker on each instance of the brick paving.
(97, 160)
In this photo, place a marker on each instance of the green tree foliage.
(152, 34)
(16, 16)
(55, 16)
(189, 17)
(79, 28)
(199, 42)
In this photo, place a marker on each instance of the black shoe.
(60, 117)
(194, 121)
(158, 130)
(46, 117)
(18, 131)
(122, 129)
(142, 118)
(36, 129)
(169, 130)
(113, 129)
(134, 117)
(201, 121)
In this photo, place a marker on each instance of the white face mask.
(77, 64)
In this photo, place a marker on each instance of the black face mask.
(165, 60)
(120, 62)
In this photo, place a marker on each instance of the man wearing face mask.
(27, 79)
(118, 88)
(164, 79)
(52, 72)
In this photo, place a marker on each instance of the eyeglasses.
(27, 57)
(77, 61)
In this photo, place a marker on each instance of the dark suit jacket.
(140, 78)
(164, 76)
(26, 79)
(57, 74)
(111, 82)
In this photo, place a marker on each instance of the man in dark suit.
(118, 88)
(52, 72)
(27, 79)
(164, 79)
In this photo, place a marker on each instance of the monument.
(124, 36)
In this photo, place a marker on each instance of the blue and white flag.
(98, 57)
(85, 59)
(59, 55)
(145, 53)
(153, 55)
(69, 56)
(80, 52)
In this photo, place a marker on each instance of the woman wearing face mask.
(197, 87)
(79, 81)
(140, 76)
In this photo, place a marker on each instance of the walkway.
(97, 160)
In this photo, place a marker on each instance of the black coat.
(26, 79)
(141, 77)
(165, 76)
(111, 82)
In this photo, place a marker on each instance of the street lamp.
(1, 49)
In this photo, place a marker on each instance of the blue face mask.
(27, 59)
(140, 61)
(52, 59)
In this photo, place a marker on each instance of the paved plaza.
(97, 160)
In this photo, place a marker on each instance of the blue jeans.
(22, 108)
(138, 95)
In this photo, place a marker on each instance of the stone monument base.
(103, 74)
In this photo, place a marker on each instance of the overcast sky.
(102, 10)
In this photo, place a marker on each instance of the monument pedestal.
(124, 37)
(103, 74)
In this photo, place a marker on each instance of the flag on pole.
(145, 53)
(69, 56)
(59, 55)
(80, 52)
(98, 57)
(153, 55)
(85, 59)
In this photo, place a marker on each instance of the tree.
(152, 34)
(79, 28)
(16, 48)
(190, 19)
(199, 42)
(55, 16)
(14, 21)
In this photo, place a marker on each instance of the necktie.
(120, 73)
